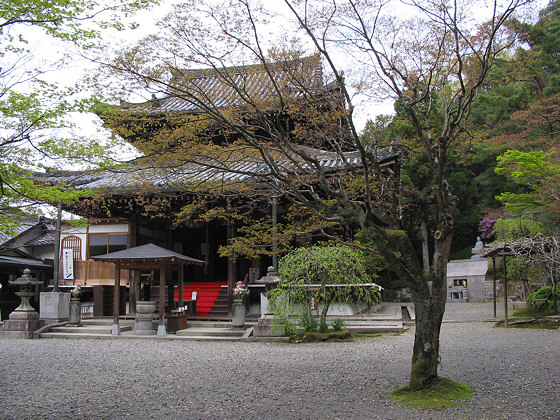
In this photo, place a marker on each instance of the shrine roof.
(233, 86)
(43, 233)
(22, 262)
(249, 170)
(147, 253)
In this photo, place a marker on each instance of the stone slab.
(54, 306)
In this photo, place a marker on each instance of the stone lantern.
(24, 320)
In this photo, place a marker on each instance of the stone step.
(359, 323)
(210, 332)
(107, 321)
(88, 329)
(208, 338)
(131, 335)
(208, 324)
(377, 327)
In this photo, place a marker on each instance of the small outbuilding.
(147, 257)
(466, 280)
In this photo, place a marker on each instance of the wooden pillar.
(115, 330)
(161, 326)
(506, 323)
(494, 283)
(232, 268)
(133, 292)
(180, 284)
(275, 242)
(133, 275)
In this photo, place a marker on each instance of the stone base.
(18, 334)
(55, 306)
(161, 331)
(19, 328)
(145, 332)
(144, 325)
(266, 328)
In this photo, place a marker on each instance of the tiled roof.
(18, 230)
(233, 86)
(46, 233)
(146, 253)
(22, 262)
(180, 178)
(45, 240)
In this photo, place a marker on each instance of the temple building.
(184, 164)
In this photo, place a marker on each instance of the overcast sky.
(45, 50)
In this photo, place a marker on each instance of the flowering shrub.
(486, 227)
(338, 324)
(240, 290)
(77, 291)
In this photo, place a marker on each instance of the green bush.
(544, 292)
(323, 326)
(324, 273)
(309, 323)
(338, 324)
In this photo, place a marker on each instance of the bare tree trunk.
(425, 248)
(429, 303)
(425, 355)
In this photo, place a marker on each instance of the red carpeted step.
(206, 292)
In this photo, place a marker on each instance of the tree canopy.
(431, 57)
(325, 273)
(36, 133)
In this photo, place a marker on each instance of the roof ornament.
(155, 101)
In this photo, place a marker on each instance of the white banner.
(68, 264)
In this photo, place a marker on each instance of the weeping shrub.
(312, 272)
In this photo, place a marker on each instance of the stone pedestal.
(75, 315)
(266, 328)
(55, 306)
(238, 316)
(24, 320)
(144, 321)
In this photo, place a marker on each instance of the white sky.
(45, 50)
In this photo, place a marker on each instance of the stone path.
(515, 374)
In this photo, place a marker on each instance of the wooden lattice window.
(75, 244)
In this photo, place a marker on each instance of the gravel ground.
(515, 374)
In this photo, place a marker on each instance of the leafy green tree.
(324, 273)
(512, 229)
(433, 65)
(34, 112)
(538, 172)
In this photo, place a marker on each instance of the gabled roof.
(22, 262)
(18, 230)
(248, 169)
(231, 86)
(148, 253)
(31, 232)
